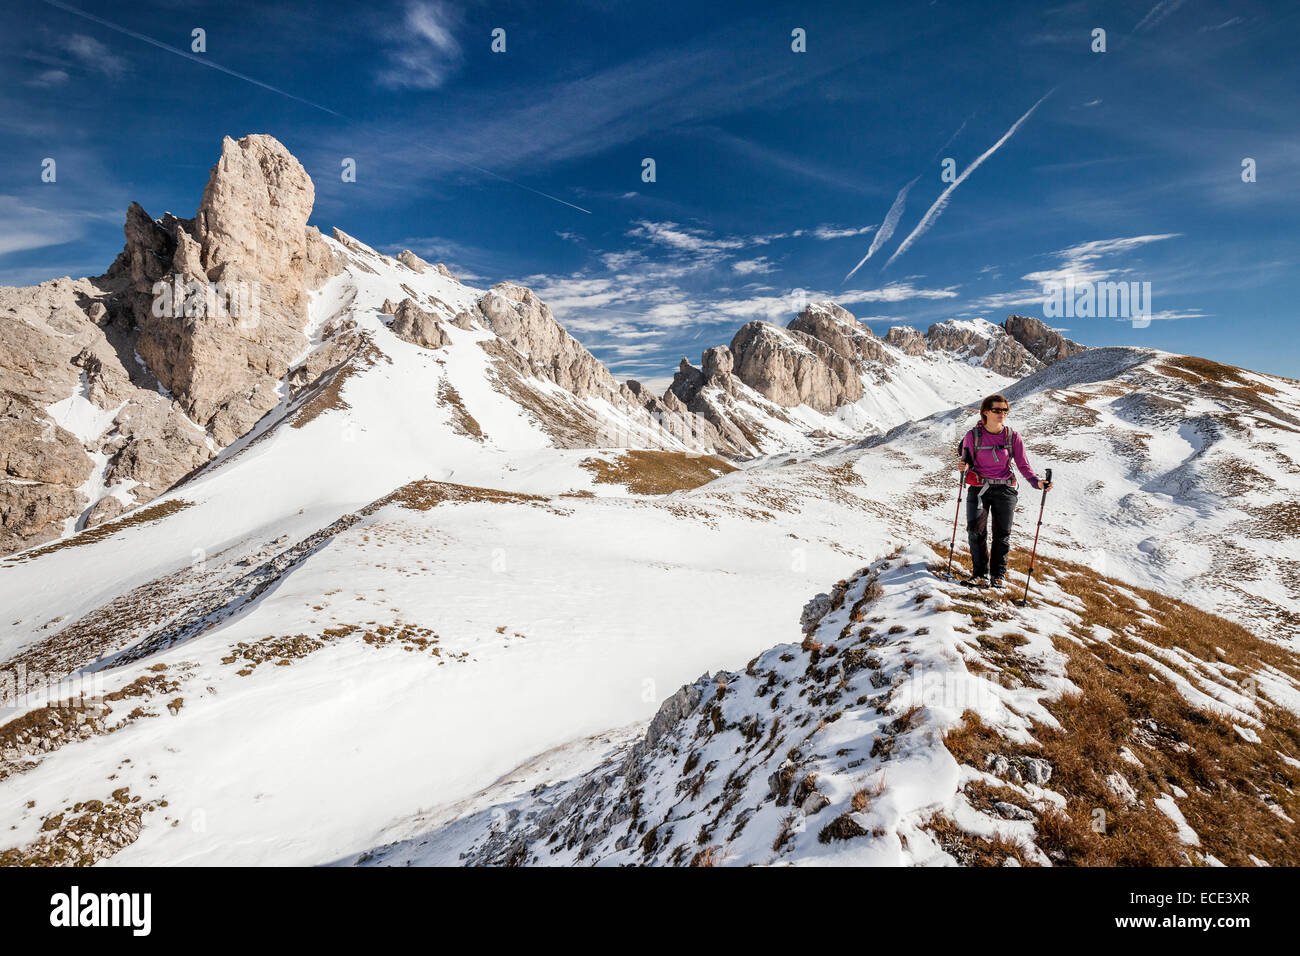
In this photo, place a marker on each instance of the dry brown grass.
(327, 393)
(462, 421)
(1234, 787)
(53, 726)
(1193, 368)
(425, 494)
(283, 650)
(562, 416)
(1279, 521)
(709, 856)
(645, 472)
(141, 516)
(1225, 383)
(971, 850)
(84, 833)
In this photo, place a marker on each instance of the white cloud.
(836, 232)
(1079, 264)
(683, 238)
(424, 51)
(48, 78)
(753, 266)
(93, 55)
(1232, 22)
(1157, 14)
(24, 226)
(894, 292)
(1172, 314)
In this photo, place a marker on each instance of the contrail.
(189, 56)
(488, 172)
(886, 228)
(941, 203)
(203, 61)
(953, 136)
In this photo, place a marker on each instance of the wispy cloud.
(1169, 315)
(835, 232)
(424, 50)
(201, 60)
(887, 227)
(94, 56)
(894, 292)
(757, 266)
(940, 204)
(1080, 264)
(1231, 22)
(25, 225)
(1157, 14)
(684, 238)
(48, 78)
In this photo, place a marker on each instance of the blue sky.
(776, 171)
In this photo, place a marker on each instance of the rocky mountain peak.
(178, 349)
(1043, 342)
(907, 340)
(220, 300)
(520, 319)
(981, 342)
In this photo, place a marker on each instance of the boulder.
(416, 326)
(413, 262)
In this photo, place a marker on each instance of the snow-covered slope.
(1172, 472)
(917, 723)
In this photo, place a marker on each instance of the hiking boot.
(976, 582)
(995, 581)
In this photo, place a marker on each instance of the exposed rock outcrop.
(238, 275)
(837, 327)
(985, 344)
(42, 467)
(414, 325)
(792, 367)
(1043, 342)
(826, 359)
(907, 340)
(176, 350)
(413, 262)
(520, 319)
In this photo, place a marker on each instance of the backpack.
(973, 477)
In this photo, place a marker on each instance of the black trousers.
(998, 501)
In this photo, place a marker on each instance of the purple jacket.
(996, 462)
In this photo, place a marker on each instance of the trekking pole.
(1024, 600)
(961, 483)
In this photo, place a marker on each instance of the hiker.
(987, 452)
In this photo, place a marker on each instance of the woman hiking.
(987, 452)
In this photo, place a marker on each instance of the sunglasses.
(1000, 411)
